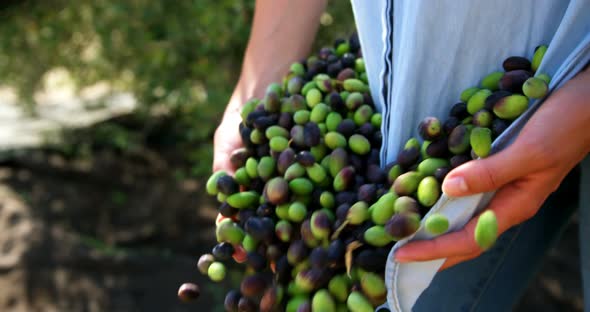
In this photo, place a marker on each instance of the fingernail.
(455, 185)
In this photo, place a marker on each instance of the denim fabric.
(420, 55)
(585, 230)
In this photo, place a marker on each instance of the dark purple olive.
(312, 134)
(402, 225)
(366, 130)
(459, 110)
(373, 158)
(261, 229)
(246, 305)
(232, 300)
(370, 260)
(441, 173)
(245, 133)
(333, 69)
(286, 120)
(408, 157)
(375, 174)
(346, 127)
(458, 160)
(297, 252)
(377, 139)
(265, 210)
(263, 122)
(354, 43)
(367, 193)
(257, 185)
(256, 261)
(450, 124)
(305, 158)
(318, 258)
(253, 116)
(516, 62)
(223, 251)
(188, 292)
(335, 253)
(253, 285)
(346, 198)
(512, 81)
(499, 126)
(342, 211)
(262, 150)
(438, 148)
(319, 67)
(283, 270)
(325, 52)
(348, 60)
(238, 157)
(346, 73)
(227, 185)
(245, 214)
(332, 58)
(226, 210)
(368, 99)
(335, 101)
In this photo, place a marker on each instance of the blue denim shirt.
(421, 54)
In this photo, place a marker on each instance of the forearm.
(282, 33)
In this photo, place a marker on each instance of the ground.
(120, 233)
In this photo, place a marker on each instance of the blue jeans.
(496, 280)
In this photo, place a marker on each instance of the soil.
(122, 233)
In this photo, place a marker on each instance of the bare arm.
(282, 33)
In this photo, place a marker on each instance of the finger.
(513, 204)
(456, 260)
(489, 174)
(223, 147)
(454, 244)
(221, 161)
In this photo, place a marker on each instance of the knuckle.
(488, 176)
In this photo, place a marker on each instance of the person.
(419, 56)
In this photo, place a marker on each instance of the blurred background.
(107, 112)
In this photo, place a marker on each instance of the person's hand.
(226, 140)
(291, 27)
(553, 141)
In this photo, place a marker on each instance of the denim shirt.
(420, 55)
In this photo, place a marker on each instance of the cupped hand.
(226, 140)
(553, 141)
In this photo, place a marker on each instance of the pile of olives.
(311, 212)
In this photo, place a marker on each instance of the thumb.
(488, 174)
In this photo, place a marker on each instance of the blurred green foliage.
(180, 59)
